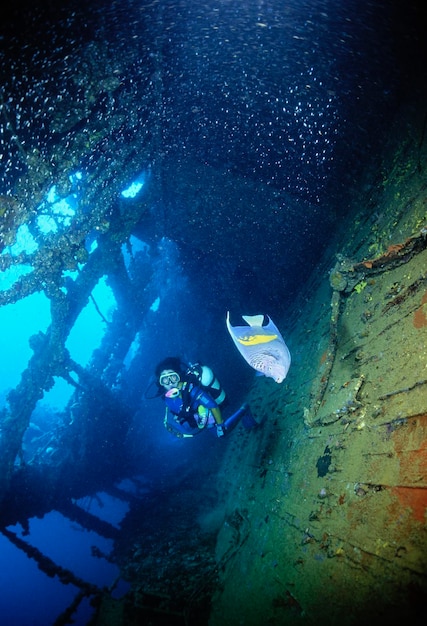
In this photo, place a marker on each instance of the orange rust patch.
(413, 497)
(394, 249)
(391, 253)
(324, 356)
(420, 317)
(410, 444)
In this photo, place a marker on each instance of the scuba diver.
(193, 396)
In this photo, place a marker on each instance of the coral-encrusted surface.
(347, 545)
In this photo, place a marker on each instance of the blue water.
(70, 546)
(29, 597)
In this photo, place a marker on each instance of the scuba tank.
(205, 377)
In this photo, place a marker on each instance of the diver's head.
(169, 372)
(169, 366)
(169, 379)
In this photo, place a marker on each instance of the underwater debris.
(345, 278)
(362, 489)
(346, 398)
(338, 279)
(317, 397)
(397, 253)
(287, 601)
(359, 491)
(396, 392)
(402, 294)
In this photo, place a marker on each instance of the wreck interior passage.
(164, 163)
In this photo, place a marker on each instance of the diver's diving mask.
(169, 378)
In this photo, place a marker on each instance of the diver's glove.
(220, 430)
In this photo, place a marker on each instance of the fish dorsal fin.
(254, 320)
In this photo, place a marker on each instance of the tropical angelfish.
(263, 347)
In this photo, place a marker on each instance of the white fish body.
(263, 347)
